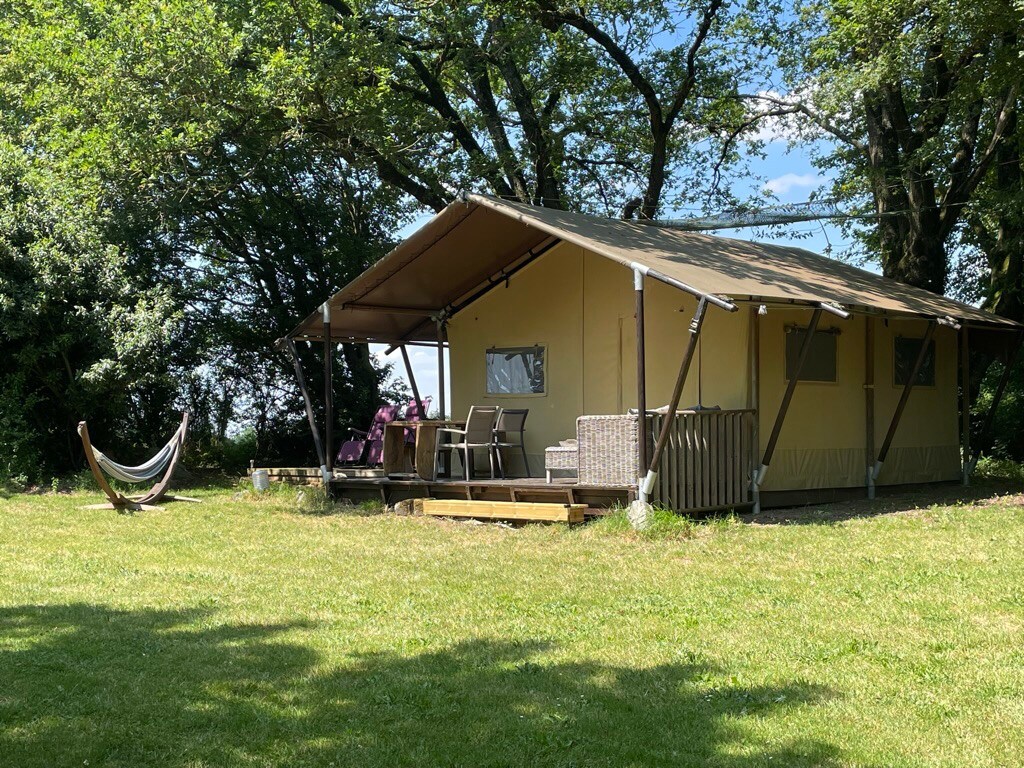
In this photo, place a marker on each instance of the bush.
(232, 454)
(1007, 438)
(995, 468)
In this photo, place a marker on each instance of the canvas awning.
(481, 240)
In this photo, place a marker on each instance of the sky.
(787, 173)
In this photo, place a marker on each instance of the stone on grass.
(408, 507)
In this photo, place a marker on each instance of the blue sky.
(787, 173)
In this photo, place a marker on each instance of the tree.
(920, 99)
(210, 196)
(76, 338)
(244, 159)
(996, 226)
(597, 106)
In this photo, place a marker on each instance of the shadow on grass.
(85, 683)
(891, 499)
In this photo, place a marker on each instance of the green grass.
(242, 631)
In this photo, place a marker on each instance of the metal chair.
(511, 422)
(479, 433)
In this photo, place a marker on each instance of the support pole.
(907, 387)
(412, 381)
(440, 369)
(668, 422)
(869, 400)
(641, 378)
(965, 406)
(787, 397)
(754, 398)
(328, 465)
(996, 398)
(289, 345)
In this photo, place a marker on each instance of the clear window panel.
(515, 371)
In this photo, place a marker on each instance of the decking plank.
(505, 510)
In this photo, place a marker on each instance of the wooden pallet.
(516, 511)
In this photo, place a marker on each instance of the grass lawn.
(242, 632)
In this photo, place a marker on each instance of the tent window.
(905, 351)
(516, 371)
(820, 364)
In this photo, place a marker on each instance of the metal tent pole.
(869, 401)
(412, 380)
(787, 397)
(440, 369)
(965, 406)
(328, 464)
(754, 399)
(641, 377)
(791, 388)
(667, 422)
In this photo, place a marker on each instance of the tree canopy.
(918, 102)
(182, 180)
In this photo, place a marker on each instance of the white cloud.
(787, 182)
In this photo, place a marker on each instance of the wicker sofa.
(606, 451)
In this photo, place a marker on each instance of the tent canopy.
(479, 241)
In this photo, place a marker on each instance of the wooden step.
(517, 511)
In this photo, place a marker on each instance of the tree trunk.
(1005, 252)
(921, 259)
(910, 239)
(656, 173)
(363, 381)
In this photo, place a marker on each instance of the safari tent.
(769, 374)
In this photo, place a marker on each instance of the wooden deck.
(527, 489)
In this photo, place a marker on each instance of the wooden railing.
(708, 460)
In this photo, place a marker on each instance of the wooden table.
(418, 459)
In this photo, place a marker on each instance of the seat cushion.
(351, 452)
(375, 454)
(561, 457)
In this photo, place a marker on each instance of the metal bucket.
(260, 479)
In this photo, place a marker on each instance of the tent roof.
(479, 241)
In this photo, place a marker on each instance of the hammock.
(165, 461)
(143, 472)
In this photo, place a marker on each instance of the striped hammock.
(143, 472)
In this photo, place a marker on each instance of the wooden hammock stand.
(157, 493)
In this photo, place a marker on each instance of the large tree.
(76, 338)
(604, 106)
(206, 193)
(917, 100)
